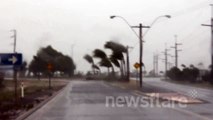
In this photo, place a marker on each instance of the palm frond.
(99, 54)
(115, 47)
(95, 67)
(105, 63)
(89, 58)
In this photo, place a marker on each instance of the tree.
(194, 73)
(48, 55)
(89, 59)
(66, 65)
(117, 55)
(174, 73)
(188, 73)
(105, 61)
(37, 66)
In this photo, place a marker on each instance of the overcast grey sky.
(86, 24)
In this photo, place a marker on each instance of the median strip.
(175, 97)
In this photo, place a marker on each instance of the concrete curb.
(31, 111)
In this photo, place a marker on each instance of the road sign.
(10, 59)
(49, 66)
(137, 65)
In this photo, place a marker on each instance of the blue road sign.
(10, 59)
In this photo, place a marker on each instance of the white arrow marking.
(13, 59)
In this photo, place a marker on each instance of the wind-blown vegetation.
(60, 63)
(116, 59)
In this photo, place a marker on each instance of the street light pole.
(140, 38)
(155, 20)
(141, 51)
(114, 16)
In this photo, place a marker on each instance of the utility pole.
(176, 51)
(14, 68)
(141, 51)
(211, 41)
(155, 64)
(166, 60)
(170, 63)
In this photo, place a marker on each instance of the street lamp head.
(168, 16)
(113, 16)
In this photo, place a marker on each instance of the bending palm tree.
(105, 62)
(89, 59)
(117, 54)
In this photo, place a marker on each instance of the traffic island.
(157, 93)
(176, 97)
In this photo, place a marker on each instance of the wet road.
(206, 95)
(87, 100)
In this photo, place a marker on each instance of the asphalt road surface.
(87, 100)
(206, 95)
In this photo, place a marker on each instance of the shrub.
(174, 73)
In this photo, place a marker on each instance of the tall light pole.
(211, 41)
(141, 51)
(140, 38)
(154, 21)
(116, 16)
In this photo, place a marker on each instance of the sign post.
(10, 59)
(49, 67)
(137, 66)
(15, 60)
(22, 90)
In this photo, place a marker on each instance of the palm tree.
(105, 61)
(89, 59)
(117, 54)
(184, 66)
